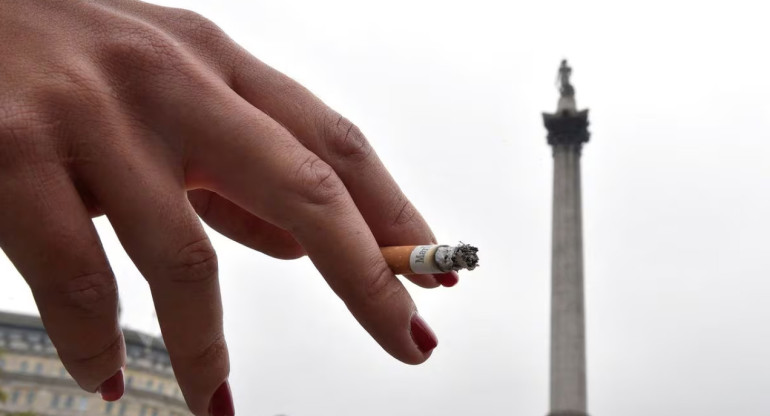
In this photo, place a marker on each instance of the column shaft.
(568, 356)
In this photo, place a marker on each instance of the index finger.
(340, 143)
(258, 165)
(389, 214)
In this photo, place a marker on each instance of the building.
(34, 379)
(567, 133)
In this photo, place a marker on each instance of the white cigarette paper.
(422, 260)
(430, 259)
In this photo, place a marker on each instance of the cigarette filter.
(430, 259)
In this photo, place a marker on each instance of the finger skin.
(47, 233)
(162, 234)
(241, 226)
(301, 194)
(388, 212)
(392, 218)
(427, 281)
(152, 116)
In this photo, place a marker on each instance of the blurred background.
(676, 197)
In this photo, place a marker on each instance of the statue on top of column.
(567, 100)
(562, 78)
(568, 125)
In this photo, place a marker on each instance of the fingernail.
(112, 389)
(448, 279)
(222, 402)
(422, 335)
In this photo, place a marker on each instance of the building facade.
(34, 379)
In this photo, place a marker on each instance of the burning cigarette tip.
(429, 259)
(464, 256)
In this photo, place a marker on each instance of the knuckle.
(317, 183)
(194, 263)
(404, 212)
(87, 295)
(24, 139)
(203, 30)
(137, 46)
(209, 352)
(17, 121)
(97, 354)
(206, 38)
(382, 285)
(73, 90)
(344, 140)
(54, 122)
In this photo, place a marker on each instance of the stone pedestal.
(567, 132)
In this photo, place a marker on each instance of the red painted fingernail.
(448, 279)
(422, 335)
(112, 389)
(222, 402)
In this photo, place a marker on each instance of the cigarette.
(431, 258)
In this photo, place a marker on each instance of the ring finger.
(47, 233)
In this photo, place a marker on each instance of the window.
(83, 404)
(2, 363)
(55, 401)
(63, 372)
(160, 387)
(108, 408)
(122, 409)
(130, 381)
(39, 368)
(24, 366)
(15, 396)
(31, 397)
(68, 403)
(144, 411)
(149, 384)
(154, 412)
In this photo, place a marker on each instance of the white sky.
(676, 200)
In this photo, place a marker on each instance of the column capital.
(567, 128)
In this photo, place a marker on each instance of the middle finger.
(249, 158)
(144, 198)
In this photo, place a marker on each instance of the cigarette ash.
(463, 256)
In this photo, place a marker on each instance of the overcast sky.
(676, 184)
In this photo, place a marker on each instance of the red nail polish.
(222, 402)
(422, 335)
(448, 279)
(112, 389)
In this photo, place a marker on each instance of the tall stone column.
(567, 132)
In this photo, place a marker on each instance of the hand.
(153, 116)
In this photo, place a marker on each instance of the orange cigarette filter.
(430, 259)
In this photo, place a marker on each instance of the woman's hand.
(154, 117)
